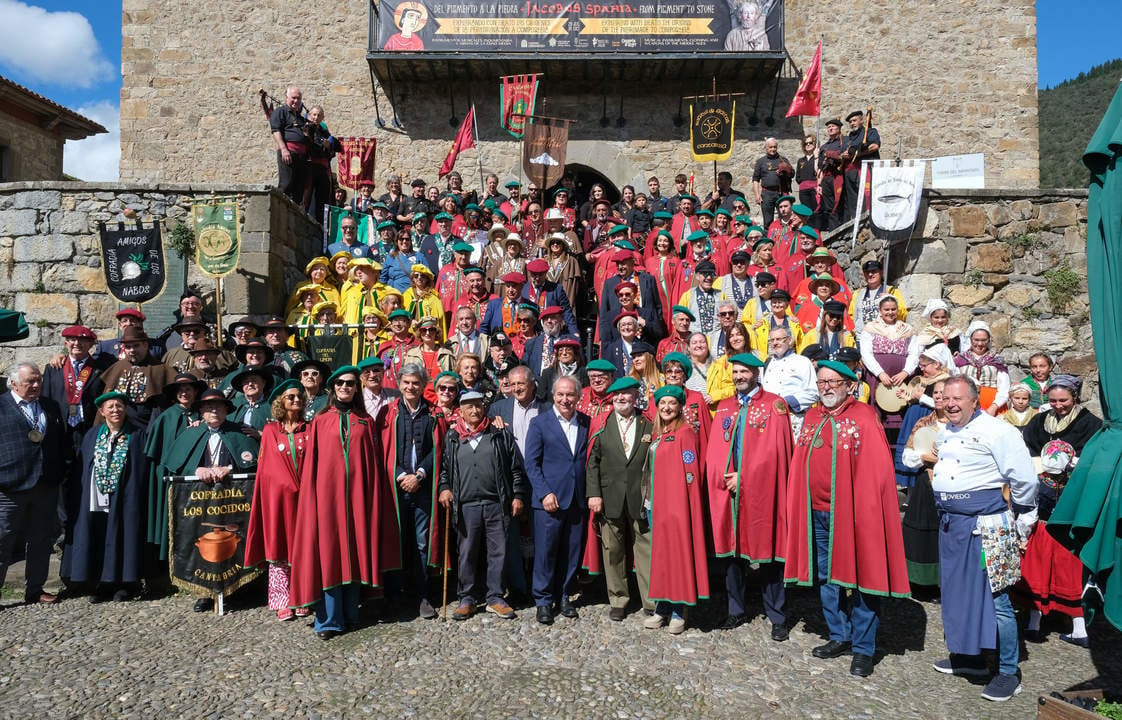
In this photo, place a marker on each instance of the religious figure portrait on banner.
(409, 17)
(749, 33)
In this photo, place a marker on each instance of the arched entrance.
(586, 177)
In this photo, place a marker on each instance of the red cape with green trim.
(866, 554)
(679, 566)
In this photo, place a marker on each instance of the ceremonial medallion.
(35, 436)
(817, 442)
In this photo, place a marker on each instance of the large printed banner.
(604, 26)
(207, 525)
(711, 129)
(218, 235)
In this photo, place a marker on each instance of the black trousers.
(481, 535)
(767, 205)
(291, 178)
(771, 582)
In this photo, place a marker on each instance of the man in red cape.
(596, 403)
(746, 465)
(841, 496)
(346, 520)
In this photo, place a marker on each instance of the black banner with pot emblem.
(133, 261)
(206, 530)
(711, 129)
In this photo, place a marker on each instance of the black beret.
(855, 113)
(872, 265)
(780, 294)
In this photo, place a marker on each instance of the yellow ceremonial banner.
(646, 26)
(711, 129)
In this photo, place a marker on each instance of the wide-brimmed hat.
(134, 334)
(183, 380)
(239, 378)
(212, 395)
(254, 344)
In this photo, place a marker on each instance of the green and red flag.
(519, 93)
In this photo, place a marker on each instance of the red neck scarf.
(467, 434)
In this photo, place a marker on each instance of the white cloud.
(97, 157)
(53, 47)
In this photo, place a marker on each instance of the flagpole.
(478, 150)
(818, 118)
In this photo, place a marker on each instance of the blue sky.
(70, 51)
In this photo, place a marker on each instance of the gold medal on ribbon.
(35, 436)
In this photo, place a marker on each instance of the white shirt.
(520, 422)
(569, 427)
(792, 378)
(984, 454)
(865, 341)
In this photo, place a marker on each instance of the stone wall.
(50, 256)
(189, 107)
(35, 153)
(990, 255)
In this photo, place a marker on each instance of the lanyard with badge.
(35, 435)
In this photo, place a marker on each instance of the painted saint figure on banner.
(750, 32)
(409, 17)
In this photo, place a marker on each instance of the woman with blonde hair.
(645, 370)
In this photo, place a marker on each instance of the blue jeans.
(858, 623)
(1008, 648)
(414, 521)
(338, 609)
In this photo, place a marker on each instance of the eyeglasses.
(426, 331)
(626, 295)
(739, 262)
(808, 144)
(346, 383)
(309, 373)
(726, 313)
(349, 228)
(446, 388)
(778, 340)
(831, 383)
(291, 398)
(184, 332)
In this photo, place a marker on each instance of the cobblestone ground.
(158, 659)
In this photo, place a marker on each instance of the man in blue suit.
(556, 450)
(547, 293)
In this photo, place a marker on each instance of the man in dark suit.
(32, 438)
(546, 293)
(615, 495)
(645, 286)
(540, 349)
(556, 450)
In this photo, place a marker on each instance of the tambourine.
(892, 399)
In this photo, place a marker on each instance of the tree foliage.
(1068, 115)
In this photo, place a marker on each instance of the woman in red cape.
(866, 545)
(674, 503)
(272, 516)
(346, 520)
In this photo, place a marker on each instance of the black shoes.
(832, 649)
(204, 605)
(327, 634)
(545, 616)
(780, 633)
(617, 614)
(567, 609)
(862, 665)
(1034, 636)
(732, 622)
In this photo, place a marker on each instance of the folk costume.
(161, 436)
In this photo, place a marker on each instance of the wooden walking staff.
(444, 595)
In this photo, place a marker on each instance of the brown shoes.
(502, 609)
(464, 610)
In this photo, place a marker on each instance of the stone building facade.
(189, 108)
(33, 133)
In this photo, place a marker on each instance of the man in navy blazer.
(32, 437)
(546, 293)
(556, 452)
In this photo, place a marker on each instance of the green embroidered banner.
(217, 237)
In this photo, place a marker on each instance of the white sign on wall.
(959, 172)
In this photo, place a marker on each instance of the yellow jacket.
(763, 329)
(848, 339)
(428, 306)
(357, 301)
(854, 301)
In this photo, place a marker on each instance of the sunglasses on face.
(346, 383)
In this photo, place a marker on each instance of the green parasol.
(1087, 517)
(13, 326)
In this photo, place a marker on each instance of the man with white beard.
(842, 484)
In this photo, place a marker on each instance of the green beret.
(618, 229)
(400, 313)
(808, 231)
(680, 358)
(387, 225)
(463, 247)
(532, 307)
(372, 362)
(761, 242)
(473, 270)
(706, 212)
(839, 367)
(687, 196)
(665, 234)
(663, 215)
(443, 374)
(471, 206)
(114, 395)
(743, 219)
(788, 198)
(601, 366)
(624, 383)
(623, 245)
(802, 210)
(443, 216)
(673, 391)
(682, 309)
(345, 370)
(280, 389)
(723, 211)
(697, 235)
(746, 359)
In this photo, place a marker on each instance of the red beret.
(551, 310)
(513, 278)
(79, 331)
(537, 266)
(131, 312)
(626, 285)
(567, 342)
(621, 255)
(625, 314)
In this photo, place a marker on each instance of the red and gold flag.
(356, 162)
(519, 93)
(465, 138)
(808, 98)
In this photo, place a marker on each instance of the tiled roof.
(68, 123)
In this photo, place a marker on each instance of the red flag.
(808, 98)
(519, 94)
(465, 139)
(356, 162)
